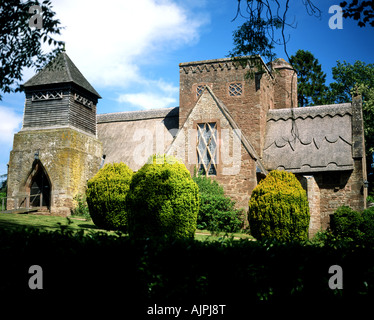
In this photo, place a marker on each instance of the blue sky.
(130, 50)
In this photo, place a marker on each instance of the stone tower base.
(53, 162)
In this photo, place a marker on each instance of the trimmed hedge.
(345, 223)
(163, 200)
(349, 225)
(278, 208)
(184, 272)
(106, 196)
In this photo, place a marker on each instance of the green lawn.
(14, 220)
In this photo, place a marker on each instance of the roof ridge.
(137, 115)
(66, 65)
(331, 110)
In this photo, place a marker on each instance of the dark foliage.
(217, 212)
(103, 273)
(311, 79)
(265, 26)
(352, 226)
(361, 11)
(21, 45)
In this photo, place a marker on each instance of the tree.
(362, 11)
(266, 22)
(264, 18)
(21, 45)
(356, 79)
(311, 79)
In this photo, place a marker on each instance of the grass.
(51, 223)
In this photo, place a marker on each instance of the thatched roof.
(131, 137)
(61, 70)
(309, 139)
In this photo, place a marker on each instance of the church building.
(237, 119)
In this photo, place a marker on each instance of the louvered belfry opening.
(207, 148)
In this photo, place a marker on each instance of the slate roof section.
(58, 71)
(131, 137)
(138, 115)
(309, 139)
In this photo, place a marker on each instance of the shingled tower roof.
(61, 70)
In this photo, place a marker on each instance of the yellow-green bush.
(106, 196)
(279, 208)
(163, 200)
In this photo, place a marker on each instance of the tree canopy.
(355, 79)
(266, 23)
(21, 43)
(311, 79)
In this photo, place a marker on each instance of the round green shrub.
(345, 223)
(106, 196)
(163, 200)
(278, 208)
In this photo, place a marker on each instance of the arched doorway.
(39, 186)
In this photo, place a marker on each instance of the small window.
(199, 90)
(235, 89)
(207, 148)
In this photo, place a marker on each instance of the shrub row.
(349, 225)
(161, 198)
(98, 268)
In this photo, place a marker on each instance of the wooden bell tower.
(57, 149)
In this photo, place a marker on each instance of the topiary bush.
(345, 223)
(278, 208)
(367, 224)
(217, 212)
(163, 200)
(106, 196)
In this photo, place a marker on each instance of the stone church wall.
(68, 156)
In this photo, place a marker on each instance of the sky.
(130, 50)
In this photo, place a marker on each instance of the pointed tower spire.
(59, 95)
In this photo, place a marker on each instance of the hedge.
(217, 212)
(134, 274)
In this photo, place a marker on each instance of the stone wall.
(68, 156)
(314, 200)
(236, 168)
(248, 109)
(327, 191)
(285, 84)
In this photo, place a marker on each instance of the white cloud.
(157, 94)
(10, 123)
(147, 100)
(110, 40)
